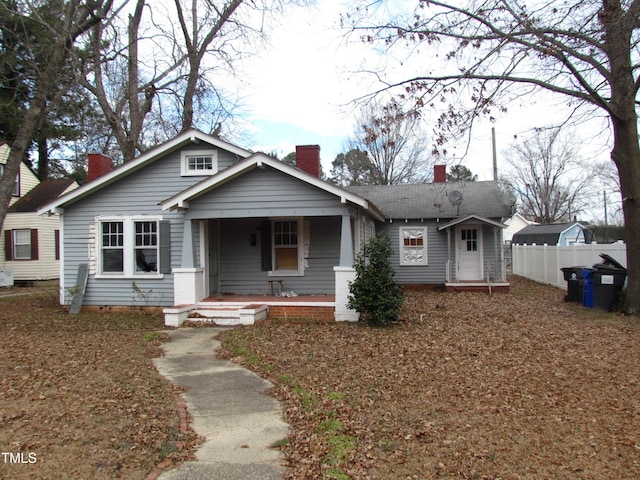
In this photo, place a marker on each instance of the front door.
(469, 252)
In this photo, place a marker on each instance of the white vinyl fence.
(542, 263)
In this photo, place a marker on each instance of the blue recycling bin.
(587, 292)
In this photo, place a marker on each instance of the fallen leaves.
(81, 393)
(511, 386)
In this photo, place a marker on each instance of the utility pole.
(495, 155)
(604, 197)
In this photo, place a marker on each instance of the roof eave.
(190, 136)
(467, 218)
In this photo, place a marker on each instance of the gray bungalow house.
(204, 228)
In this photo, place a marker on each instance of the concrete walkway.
(228, 407)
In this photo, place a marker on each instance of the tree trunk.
(626, 155)
(31, 122)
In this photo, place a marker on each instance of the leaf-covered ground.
(515, 386)
(79, 396)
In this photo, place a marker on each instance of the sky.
(300, 87)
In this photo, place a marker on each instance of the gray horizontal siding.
(265, 193)
(434, 271)
(240, 265)
(137, 194)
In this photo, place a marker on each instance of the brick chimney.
(308, 159)
(99, 164)
(439, 174)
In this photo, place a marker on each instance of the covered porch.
(475, 256)
(228, 275)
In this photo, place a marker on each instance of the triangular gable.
(471, 218)
(260, 160)
(190, 136)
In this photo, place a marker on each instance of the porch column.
(345, 274)
(188, 280)
(447, 276)
(346, 243)
(188, 258)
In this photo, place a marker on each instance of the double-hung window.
(413, 246)
(131, 246)
(287, 246)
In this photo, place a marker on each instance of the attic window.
(16, 184)
(201, 162)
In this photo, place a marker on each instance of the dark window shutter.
(265, 239)
(34, 244)
(8, 245)
(56, 239)
(165, 246)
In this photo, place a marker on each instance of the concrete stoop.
(227, 315)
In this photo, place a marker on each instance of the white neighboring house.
(514, 224)
(30, 243)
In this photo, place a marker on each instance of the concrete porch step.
(228, 315)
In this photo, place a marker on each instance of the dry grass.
(517, 386)
(79, 396)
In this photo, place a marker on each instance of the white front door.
(469, 252)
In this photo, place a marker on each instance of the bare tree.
(583, 50)
(394, 144)
(46, 57)
(153, 72)
(120, 81)
(551, 183)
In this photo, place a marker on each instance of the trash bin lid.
(609, 260)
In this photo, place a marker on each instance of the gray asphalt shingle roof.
(431, 200)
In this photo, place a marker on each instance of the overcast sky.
(300, 88)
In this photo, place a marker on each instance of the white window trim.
(184, 162)
(404, 263)
(128, 247)
(15, 245)
(301, 247)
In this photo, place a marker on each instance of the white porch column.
(345, 274)
(188, 285)
(188, 280)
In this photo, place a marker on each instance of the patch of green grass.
(251, 359)
(330, 425)
(285, 379)
(280, 443)
(151, 336)
(308, 400)
(336, 395)
(341, 446)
